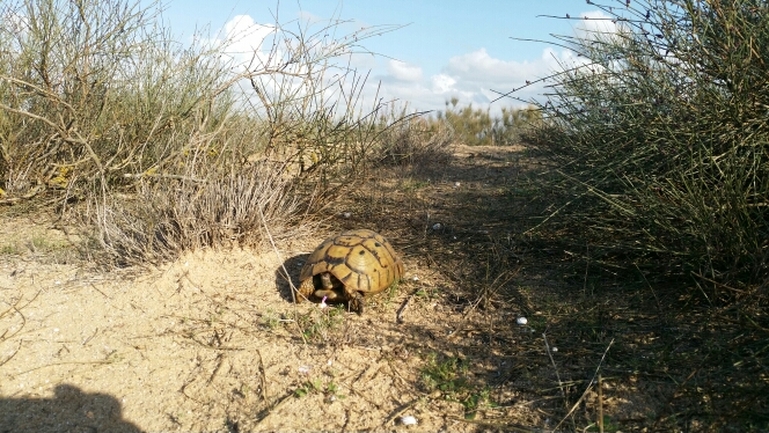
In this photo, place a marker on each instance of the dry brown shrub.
(168, 215)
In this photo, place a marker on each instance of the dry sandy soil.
(212, 341)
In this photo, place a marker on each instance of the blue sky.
(447, 48)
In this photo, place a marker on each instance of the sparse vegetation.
(318, 323)
(638, 254)
(409, 140)
(330, 390)
(159, 142)
(449, 375)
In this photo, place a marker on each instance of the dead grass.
(163, 219)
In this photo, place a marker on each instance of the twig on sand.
(589, 385)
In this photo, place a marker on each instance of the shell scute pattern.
(347, 266)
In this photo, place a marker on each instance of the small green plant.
(308, 387)
(330, 390)
(270, 319)
(411, 185)
(9, 250)
(450, 376)
(318, 322)
(447, 374)
(476, 401)
(392, 291)
(609, 426)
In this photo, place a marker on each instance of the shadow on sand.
(294, 266)
(70, 410)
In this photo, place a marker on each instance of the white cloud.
(595, 25)
(478, 77)
(478, 66)
(241, 40)
(442, 83)
(402, 71)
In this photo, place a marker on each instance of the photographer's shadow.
(69, 410)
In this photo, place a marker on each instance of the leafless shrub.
(174, 147)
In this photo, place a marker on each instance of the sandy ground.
(212, 342)
(208, 343)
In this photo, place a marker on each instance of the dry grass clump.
(166, 217)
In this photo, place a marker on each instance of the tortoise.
(348, 266)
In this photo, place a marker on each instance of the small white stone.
(554, 349)
(347, 214)
(304, 369)
(437, 226)
(414, 278)
(408, 420)
(521, 321)
(456, 184)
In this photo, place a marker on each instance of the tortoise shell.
(348, 266)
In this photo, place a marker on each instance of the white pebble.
(304, 369)
(437, 226)
(408, 420)
(347, 214)
(521, 321)
(456, 184)
(554, 349)
(414, 278)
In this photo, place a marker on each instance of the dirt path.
(212, 342)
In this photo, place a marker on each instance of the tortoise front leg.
(355, 302)
(304, 291)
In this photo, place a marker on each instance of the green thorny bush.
(659, 140)
(170, 147)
